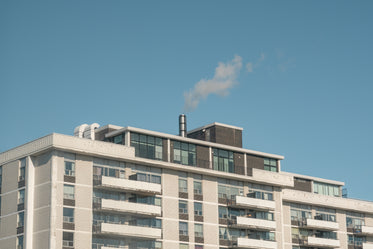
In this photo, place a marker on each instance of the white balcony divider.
(131, 231)
(367, 230)
(255, 223)
(130, 207)
(255, 243)
(131, 185)
(255, 203)
(321, 242)
(367, 246)
(322, 224)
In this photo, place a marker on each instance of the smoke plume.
(223, 80)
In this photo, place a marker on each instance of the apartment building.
(124, 187)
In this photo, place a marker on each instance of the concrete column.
(127, 139)
(210, 157)
(30, 182)
(245, 163)
(168, 150)
(53, 211)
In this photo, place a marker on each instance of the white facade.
(62, 191)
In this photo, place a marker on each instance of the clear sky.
(296, 75)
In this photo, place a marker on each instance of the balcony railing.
(119, 184)
(127, 207)
(322, 224)
(241, 201)
(252, 243)
(367, 246)
(361, 229)
(323, 242)
(127, 231)
(254, 223)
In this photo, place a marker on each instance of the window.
(143, 244)
(99, 194)
(150, 200)
(20, 242)
(183, 185)
(98, 243)
(20, 219)
(197, 186)
(184, 153)
(261, 215)
(325, 234)
(325, 214)
(259, 191)
(147, 222)
(147, 146)
(300, 234)
(326, 189)
(146, 174)
(223, 233)
(68, 192)
(118, 139)
(68, 215)
(228, 189)
(235, 212)
(69, 168)
(356, 240)
(68, 239)
(300, 212)
(183, 228)
(143, 177)
(198, 247)
(223, 212)
(183, 207)
(262, 235)
(109, 218)
(21, 196)
(270, 164)
(106, 171)
(355, 220)
(22, 169)
(198, 209)
(223, 160)
(198, 230)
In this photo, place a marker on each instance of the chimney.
(182, 125)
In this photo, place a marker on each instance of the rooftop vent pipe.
(182, 125)
(86, 131)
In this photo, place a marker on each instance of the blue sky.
(300, 86)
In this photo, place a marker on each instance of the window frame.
(185, 231)
(66, 195)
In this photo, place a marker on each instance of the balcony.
(258, 224)
(127, 231)
(366, 230)
(118, 184)
(128, 207)
(323, 242)
(367, 246)
(322, 224)
(249, 202)
(254, 243)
